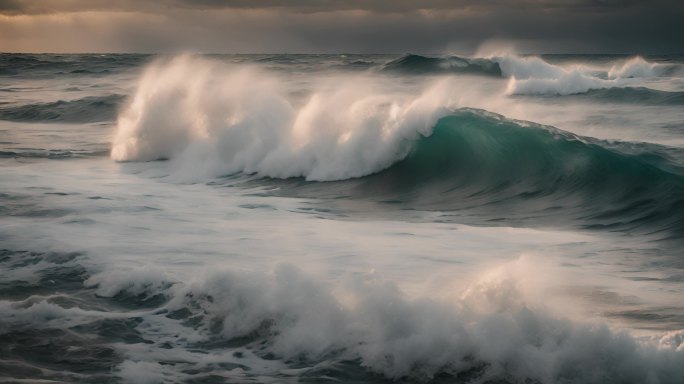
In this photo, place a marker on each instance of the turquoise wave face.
(484, 166)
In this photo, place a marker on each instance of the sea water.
(341, 218)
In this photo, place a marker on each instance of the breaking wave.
(285, 324)
(532, 75)
(633, 95)
(415, 150)
(205, 117)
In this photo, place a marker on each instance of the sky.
(335, 26)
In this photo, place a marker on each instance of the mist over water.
(354, 218)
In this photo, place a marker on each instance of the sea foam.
(235, 119)
(534, 76)
(493, 330)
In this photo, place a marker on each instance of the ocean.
(349, 218)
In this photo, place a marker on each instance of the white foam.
(568, 83)
(212, 119)
(636, 67)
(534, 76)
(527, 67)
(42, 312)
(493, 326)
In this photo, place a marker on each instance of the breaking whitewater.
(341, 218)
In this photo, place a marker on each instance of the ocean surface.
(341, 218)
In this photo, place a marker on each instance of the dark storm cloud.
(406, 5)
(643, 26)
(18, 7)
(625, 30)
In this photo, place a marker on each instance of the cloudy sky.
(326, 26)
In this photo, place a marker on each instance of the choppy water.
(341, 218)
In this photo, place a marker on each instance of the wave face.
(632, 95)
(84, 110)
(203, 116)
(519, 172)
(416, 64)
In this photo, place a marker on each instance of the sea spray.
(229, 120)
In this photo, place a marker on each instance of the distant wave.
(641, 95)
(637, 66)
(482, 163)
(534, 76)
(417, 64)
(84, 110)
(535, 67)
(636, 95)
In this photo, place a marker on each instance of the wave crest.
(492, 332)
(206, 116)
(533, 75)
(638, 67)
